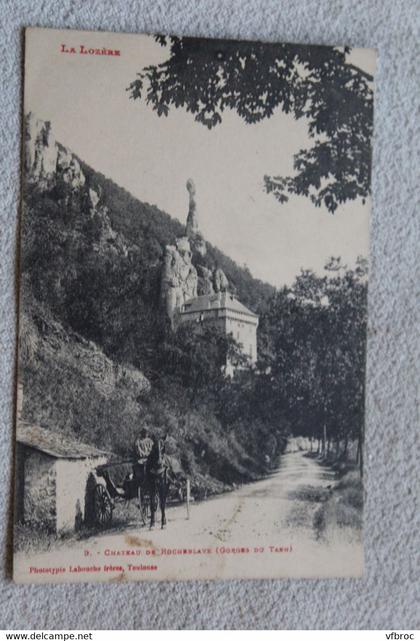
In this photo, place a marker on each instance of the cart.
(106, 494)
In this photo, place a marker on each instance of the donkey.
(158, 478)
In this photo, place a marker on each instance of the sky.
(85, 99)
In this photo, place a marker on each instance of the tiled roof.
(216, 301)
(54, 443)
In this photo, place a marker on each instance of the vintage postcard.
(192, 322)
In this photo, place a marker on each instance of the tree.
(195, 357)
(316, 354)
(317, 83)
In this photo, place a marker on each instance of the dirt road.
(271, 509)
(274, 516)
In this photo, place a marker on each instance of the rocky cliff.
(181, 280)
(220, 282)
(179, 276)
(205, 281)
(45, 161)
(50, 166)
(192, 230)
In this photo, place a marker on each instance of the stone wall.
(38, 487)
(72, 481)
(245, 333)
(52, 493)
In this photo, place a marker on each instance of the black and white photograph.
(193, 308)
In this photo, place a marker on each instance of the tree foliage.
(314, 358)
(316, 83)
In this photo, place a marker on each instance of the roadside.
(301, 501)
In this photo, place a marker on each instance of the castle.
(194, 293)
(225, 311)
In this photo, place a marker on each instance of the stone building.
(227, 313)
(52, 478)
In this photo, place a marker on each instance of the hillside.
(71, 386)
(151, 229)
(97, 359)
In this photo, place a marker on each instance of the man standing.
(143, 446)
